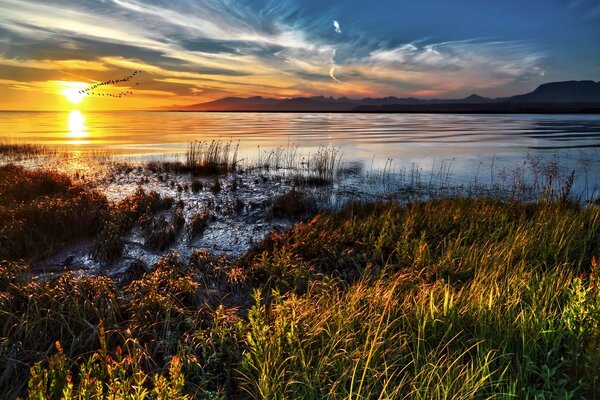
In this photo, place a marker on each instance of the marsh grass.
(41, 210)
(202, 159)
(293, 204)
(122, 217)
(14, 149)
(198, 224)
(218, 158)
(447, 298)
(160, 234)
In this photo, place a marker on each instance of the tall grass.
(451, 298)
(216, 154)
(201, 159)
(280, 158)
(443, 299)
(13, 149)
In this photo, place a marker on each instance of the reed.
(13, 149)
(201, 159)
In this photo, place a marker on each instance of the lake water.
(468, 144)
(445, 152)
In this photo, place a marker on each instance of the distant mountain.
(562, 92)
(476, 99)
(315, 103)
(232, 104)
(573, 96)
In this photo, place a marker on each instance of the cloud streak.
(213, 48)
(502, 59)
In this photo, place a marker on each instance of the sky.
(195, 51)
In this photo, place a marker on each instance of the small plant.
(199, 224)
(116, 376)
(216, 185)
(292, 204)
(238, 205)
(109, 244)
(196, 186)
(135, 270)
(161, 235)
(178, 219)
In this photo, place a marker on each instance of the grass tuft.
(292, 204)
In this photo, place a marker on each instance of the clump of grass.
(292, 204)
(325, 163)
(161, 234)
(41, 210)
(122, 217)
(178, 219)
(202, 159)
(197, 186)
(109, 243)
(216, 185)
(214, 156)
(199, 223)
(287, 158)
(135, 270)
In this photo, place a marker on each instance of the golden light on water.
(76, 128)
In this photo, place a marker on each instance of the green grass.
(453, 298)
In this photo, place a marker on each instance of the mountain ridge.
(570, 95)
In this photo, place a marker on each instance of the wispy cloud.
(332, 68)
(217, 47)
(506, 59)
(336, 26)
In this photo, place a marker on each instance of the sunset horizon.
(193, 52)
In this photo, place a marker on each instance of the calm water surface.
(467, 142)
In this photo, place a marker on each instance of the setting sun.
(73, 91)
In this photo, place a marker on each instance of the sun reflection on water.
(77, 130)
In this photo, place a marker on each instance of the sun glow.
(73, 91)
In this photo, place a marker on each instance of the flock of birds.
(89, 91)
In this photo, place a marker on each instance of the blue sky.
(200, 50)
